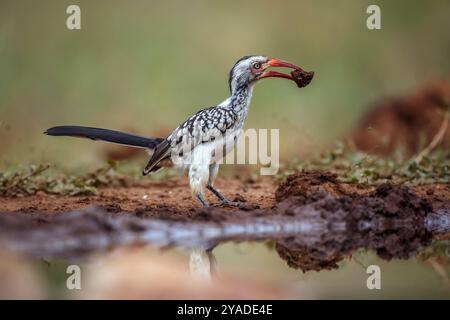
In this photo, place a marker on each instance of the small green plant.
(436, 249)
(356, 167)
(19, 183)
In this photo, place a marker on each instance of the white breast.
(210, 152)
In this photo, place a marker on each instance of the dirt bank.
(406, 123)
(314, 219)
(306, 183)
(172, 194)
(389, 220)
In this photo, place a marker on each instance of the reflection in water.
(392, 221)
(364, 226)
(202, 263)
(310, 234)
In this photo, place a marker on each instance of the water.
(303, 251)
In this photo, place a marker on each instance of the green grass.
(436, 249)
(351, 166)
(356, 167)
(26, 182)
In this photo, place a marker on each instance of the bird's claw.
(229, 203)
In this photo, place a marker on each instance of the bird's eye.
(257, 65)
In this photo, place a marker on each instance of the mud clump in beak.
(302, 78)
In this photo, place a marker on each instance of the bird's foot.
(238, 202)
(229, 203)
(201, 198)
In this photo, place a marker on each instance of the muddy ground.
(389, 219)
(174, 195)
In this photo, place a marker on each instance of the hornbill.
(200, 142)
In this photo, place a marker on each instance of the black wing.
(161, 152)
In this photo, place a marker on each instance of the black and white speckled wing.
(205, 126)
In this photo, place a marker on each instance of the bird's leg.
(200, 263)
(203, 263)
(213, 265)
(213, 170)
(199, 175)
(218, 194)
(202, 200)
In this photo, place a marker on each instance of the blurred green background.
(144, 66)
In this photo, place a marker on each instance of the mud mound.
(306, 183)
(317, 222)
(408, 122)
(387, 201)
(390, 220)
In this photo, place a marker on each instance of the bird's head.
(249, 69)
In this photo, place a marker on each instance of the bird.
(200, 143)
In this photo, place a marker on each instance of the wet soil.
(173, 195)
(306, 183)
(314, 219)
(302, 78)
(389, 220)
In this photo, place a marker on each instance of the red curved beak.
(281, 63)
(301, 74)
(276, 74)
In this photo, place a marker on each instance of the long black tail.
(105, 135)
